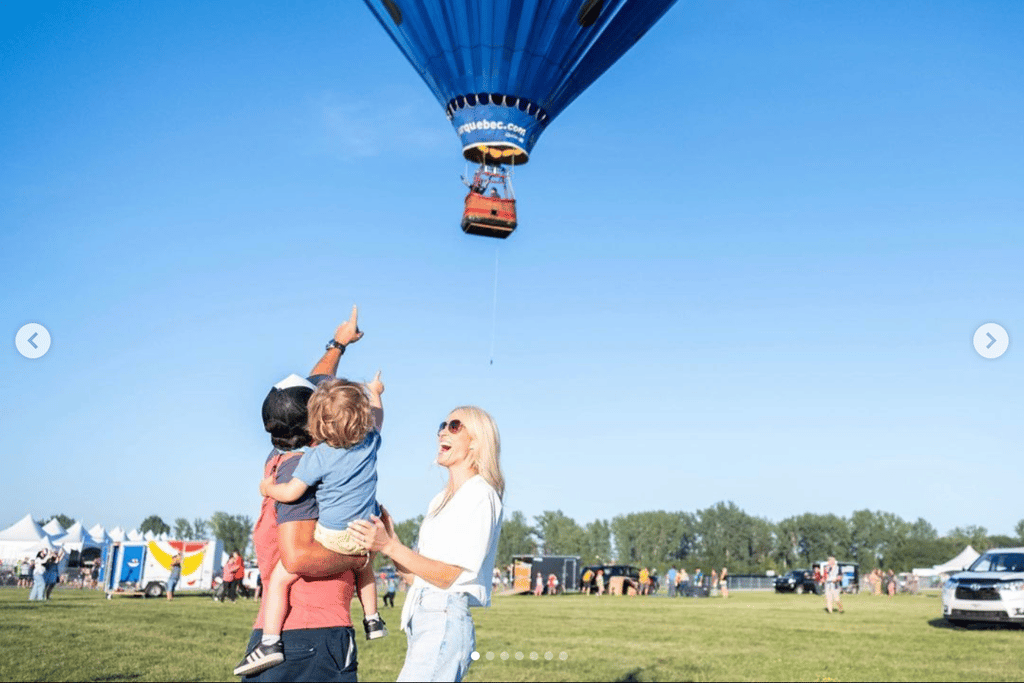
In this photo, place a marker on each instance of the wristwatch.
(335, 344)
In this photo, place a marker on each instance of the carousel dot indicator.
(519, 656)
(564, 656)
(475, 656)
(548, 656)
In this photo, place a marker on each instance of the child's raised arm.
(376, 388)
(288, 492)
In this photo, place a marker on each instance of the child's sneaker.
(374, 628)
(260, 658)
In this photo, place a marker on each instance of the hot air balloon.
(503, 70)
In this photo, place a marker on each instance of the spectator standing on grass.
(645, 581)
(832, 578)
(38, 591)
(723, 583)
(538, 588)
(670, 580)
(230, 575)
(586, 580)
(599, 580)
(390, 588)
(94, 573)
(713, 586)
(175, 575)
(53, 571)
(25, 577)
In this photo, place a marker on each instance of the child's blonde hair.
(339, 413)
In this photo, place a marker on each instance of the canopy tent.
(77, 539)
(99, 534)
(134, 535)
(117, 534)
(959, 563)
(18, 540)
(54, 529)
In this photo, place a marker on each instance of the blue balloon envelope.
(504, 69)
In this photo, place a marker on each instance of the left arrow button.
(32, 340)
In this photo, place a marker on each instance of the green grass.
(751, 636)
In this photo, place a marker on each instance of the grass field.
(751, 636)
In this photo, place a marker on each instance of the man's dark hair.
(285, 416)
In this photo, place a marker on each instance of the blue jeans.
(441, 638)
(38, 588)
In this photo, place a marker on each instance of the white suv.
(992, 590)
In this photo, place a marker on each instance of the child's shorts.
(337, 540)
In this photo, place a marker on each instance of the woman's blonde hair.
(340, 414)
(486, 450)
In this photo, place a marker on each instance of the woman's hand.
(376, 535)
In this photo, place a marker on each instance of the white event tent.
(53, 529)
(962, 561)
(77, 539)
(959, 563)
(21, 539)
(99, 534)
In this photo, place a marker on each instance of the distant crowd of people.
(678, 582)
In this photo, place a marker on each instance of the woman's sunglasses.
(454, 426)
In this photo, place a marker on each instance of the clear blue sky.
(750, 262)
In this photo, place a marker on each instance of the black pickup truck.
(796, 581)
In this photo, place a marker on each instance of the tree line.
(724, 535)
(717, 536)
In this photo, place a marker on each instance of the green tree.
(558, 533)
(811, 537)
(597, 543)
(517, 538)
(183, 529)
(235, 531)
(730, 537)
(652, 539)
(155, 524)
(1000, 541)
(1020, 530)
(973, 535)
(408, 530)
(200, 529)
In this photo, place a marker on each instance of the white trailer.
(143, 567)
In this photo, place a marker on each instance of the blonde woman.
(451, 569)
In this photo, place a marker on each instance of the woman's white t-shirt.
(465, 534)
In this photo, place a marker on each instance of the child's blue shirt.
(347, 478)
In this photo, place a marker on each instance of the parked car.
(797, 581)
(991, 590)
